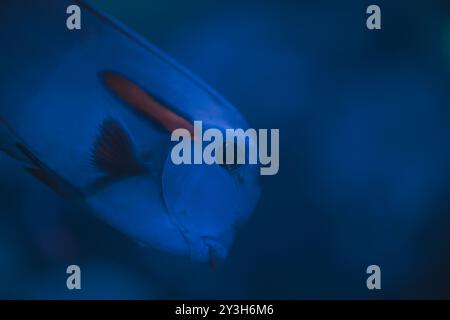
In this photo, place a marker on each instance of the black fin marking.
(113, 151)
(42, 172)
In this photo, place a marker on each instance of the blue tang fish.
(89, 113)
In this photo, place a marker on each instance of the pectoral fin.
(114, 152)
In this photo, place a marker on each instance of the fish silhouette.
(89, 113)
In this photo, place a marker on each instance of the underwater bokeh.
(364, 119)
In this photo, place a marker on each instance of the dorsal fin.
(113, 151)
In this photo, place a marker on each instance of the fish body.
(90, 114)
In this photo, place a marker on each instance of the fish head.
(206, 203)
(209, 202)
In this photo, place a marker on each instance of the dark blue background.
(364, 119)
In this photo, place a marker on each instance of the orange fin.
(140, 100)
